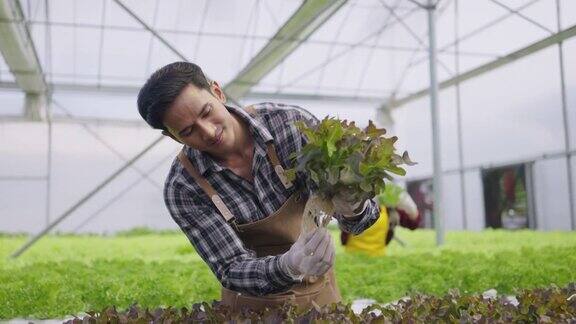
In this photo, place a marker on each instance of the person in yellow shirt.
(373, 240)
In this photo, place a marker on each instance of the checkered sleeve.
(365, 220)
(236, 267)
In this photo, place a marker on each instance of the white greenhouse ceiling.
(363, 49)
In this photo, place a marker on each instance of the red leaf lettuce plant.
(341, 158)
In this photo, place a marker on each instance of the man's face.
(199, 119)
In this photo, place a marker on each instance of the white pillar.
(566, 123)
(437, 163)
(35, 106)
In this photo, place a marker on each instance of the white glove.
(311, 254)
(407, 205)
(348, 205)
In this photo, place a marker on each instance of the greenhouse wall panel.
(569, 66)
(474, 201)
(22, 206)
(551, 187)
(452, 199)
(25, 143)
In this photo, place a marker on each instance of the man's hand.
(311, 254)
(348, 205)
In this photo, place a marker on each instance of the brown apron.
(272, 235)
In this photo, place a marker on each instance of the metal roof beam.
(20, 55)
(313, 97)
(207, 33)
(307, 19)
(522, 16)
(505, 60)
(133, 90)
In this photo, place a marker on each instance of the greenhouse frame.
(482, 94)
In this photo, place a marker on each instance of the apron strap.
(207, 187)
(271, 151)
(251, 110)
(277, 166)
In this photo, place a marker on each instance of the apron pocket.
(324, 294)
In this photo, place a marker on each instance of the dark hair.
(164, 86)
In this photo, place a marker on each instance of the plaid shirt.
(235, 266)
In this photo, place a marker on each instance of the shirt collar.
(258, 131)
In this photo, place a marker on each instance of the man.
(228, 193)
